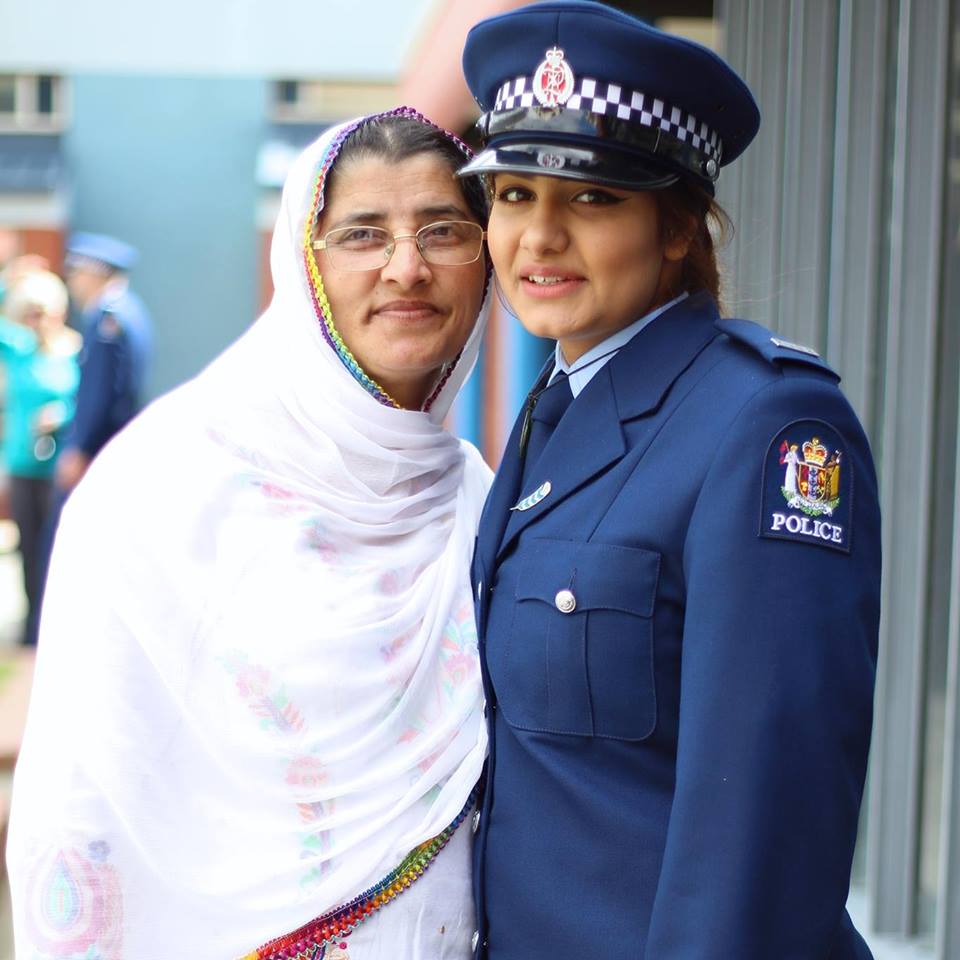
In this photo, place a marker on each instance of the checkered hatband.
(611, 99)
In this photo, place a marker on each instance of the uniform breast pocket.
(579, 658)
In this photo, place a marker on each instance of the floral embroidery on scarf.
(459, 653)
(391, 650)
(390, 583)
(272, 490)
(269, 702)
(273, 707)
(459, 660)
(316, 534)
(287, 501)
(75, 906)
(317, 538)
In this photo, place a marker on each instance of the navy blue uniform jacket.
(677, 763)
(116, 345)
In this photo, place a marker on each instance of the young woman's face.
(403, 321)
(577, 261)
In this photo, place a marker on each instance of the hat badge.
(553, 81)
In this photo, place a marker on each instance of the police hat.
(98, 251)
(576, 89)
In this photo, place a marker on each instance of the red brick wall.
(44, 242)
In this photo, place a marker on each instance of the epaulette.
(773, 349)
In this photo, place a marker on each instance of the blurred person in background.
(257, 713)
(678, 618)
(39, 353)
(13, 264)
(117, 338)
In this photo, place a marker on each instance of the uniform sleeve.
(103, 383)
(782, 565)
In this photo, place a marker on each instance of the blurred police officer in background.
(117, 335)
(117, 338)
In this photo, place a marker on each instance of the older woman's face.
(579, 261)
(403, 321)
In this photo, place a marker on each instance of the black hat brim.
(612, 168)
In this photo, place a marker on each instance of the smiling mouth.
(551, 285)
(408, 308)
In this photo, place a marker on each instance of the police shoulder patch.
(807, 489)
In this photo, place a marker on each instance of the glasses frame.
(391, 246)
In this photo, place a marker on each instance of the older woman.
(39, 353)
(257, 719)
(678, 567)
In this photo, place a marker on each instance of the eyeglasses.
(447, 243)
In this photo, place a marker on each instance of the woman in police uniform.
(677, 573)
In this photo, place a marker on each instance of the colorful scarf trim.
(310, 941)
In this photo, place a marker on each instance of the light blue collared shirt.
(581, 372)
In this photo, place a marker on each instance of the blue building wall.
(525, 356)
(466, 414)
(168, 164)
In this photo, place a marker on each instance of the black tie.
(546, 408)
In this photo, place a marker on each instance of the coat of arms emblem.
(811, 481)
(553, 80)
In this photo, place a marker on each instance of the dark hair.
(399, 138)
(687, 210)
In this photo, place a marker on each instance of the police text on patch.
(806, 527)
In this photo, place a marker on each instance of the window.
(31, 102)
(8, 94)
(313, 101)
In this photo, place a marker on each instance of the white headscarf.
(257, 685)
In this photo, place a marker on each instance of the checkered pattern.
(612, 100)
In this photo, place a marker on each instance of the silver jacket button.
(475, 825)
(475, 940)
(565, 601)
